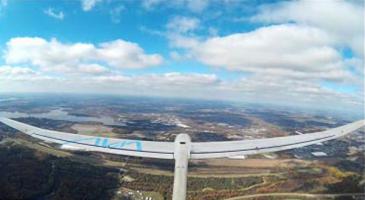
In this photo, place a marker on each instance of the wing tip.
(3, 119)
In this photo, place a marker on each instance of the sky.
(303, 53)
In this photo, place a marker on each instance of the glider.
(182, 149)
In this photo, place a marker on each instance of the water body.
(60, 114)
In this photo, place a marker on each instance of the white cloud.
(123, 54)
(196, 6)
(150, 4)
(88, 5)
(78, 57)
(182, 41)
(213, 31)
(281, 50)
(341, 19)
(176, 78)
(52, 13)
(261, 88)
(181, 24)
(176, 84)
(166, 81)
(115, 13)
(15, 71)
(112, 79)
(92, 69)
(285, 64)
(175, 55)
(256, 88)
(151, 31)
(20, 75)
(180, 31)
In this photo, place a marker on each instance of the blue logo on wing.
(104, 142)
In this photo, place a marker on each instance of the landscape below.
(30, 169)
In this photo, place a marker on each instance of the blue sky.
(305, 53)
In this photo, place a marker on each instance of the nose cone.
(183, 138)
(182, 147)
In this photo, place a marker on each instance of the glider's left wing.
(163, 150)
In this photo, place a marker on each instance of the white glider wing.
(202, 150)
(163, 150)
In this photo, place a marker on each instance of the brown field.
(256, 163)
(94, 130)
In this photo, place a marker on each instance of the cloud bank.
(56, 56)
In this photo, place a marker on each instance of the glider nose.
(182, 146)
(183, 138)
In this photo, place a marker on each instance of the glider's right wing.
(201, 150)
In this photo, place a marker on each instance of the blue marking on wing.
(97, 141)
(105, 142)
(80, 140)
(118, 144)
(124, 143)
